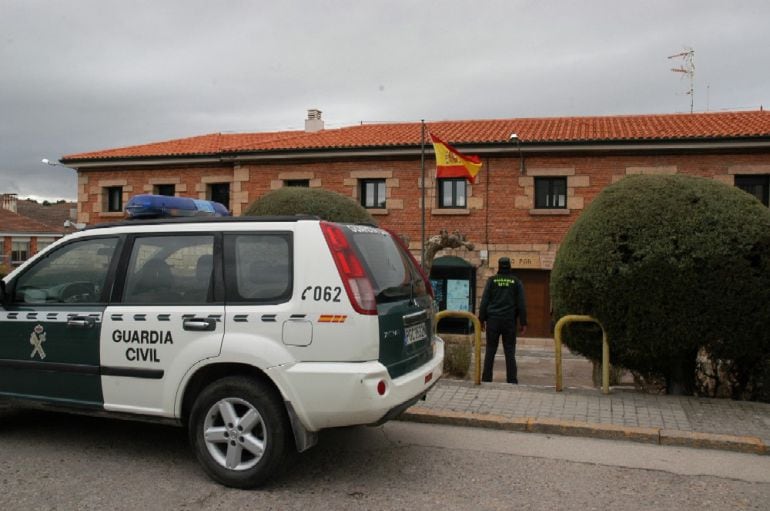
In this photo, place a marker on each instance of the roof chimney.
(313, 123)
(9, 201)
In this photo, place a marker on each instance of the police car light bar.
(162, 206)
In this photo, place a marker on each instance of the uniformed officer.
(501, 305)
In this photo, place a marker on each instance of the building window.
(758, 186)
(550, 193)
(373, 193)
(167, 190)
(452, 193)
(297, 183)
(114, 199)
(43, 243)
(220, 192)
(19, 250)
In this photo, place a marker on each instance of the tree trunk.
(680, 380)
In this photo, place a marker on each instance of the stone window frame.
(550, 182)
(756, 170)
(100, 204)
(210, 192)
(377, 182)
(295, 175)
(296, 183)
(152, 185)
(203, 188)
(156, 189)
(762, 180)
(574, 183)
(652, 170)
(439, 193)
(110, 194)
(354, 179)
(431, 198)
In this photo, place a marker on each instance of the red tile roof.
(11, 222)
(625, 128)
(53, 215)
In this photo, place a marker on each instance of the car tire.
(239, 431)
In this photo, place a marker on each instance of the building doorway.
(454, 285)
(538, 295)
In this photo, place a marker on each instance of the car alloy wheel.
(235, 434)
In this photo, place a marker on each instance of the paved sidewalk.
(668, 420)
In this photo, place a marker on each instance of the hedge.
(310, 201)
(673, 267)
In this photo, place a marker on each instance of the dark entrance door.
(454, 284)
(538, 296)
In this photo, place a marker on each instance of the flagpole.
(422, 169)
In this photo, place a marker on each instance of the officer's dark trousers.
(495, 328)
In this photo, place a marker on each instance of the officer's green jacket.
(503, 298)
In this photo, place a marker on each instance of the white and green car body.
(255, 333)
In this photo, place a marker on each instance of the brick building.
(27, 227)
(531, 188)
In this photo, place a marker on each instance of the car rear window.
(390, 269)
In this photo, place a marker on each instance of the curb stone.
(587, 429)
(736, 443)
(747, 444)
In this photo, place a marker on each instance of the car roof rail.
(202, 220)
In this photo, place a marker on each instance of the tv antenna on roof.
(687, 69)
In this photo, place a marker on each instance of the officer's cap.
(504, 263)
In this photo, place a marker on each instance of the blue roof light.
(161, 206)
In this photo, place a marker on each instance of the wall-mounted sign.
(523, 260)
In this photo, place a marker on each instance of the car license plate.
(415, 333)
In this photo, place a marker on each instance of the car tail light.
(357, 285)
(381, 387)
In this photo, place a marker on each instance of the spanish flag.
(450, 163)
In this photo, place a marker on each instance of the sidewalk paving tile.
(679, 420)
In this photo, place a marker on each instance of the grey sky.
(83, 75)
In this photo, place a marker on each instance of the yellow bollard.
(557, 335)
(477, 330)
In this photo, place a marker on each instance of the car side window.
(170, 270)
(73, 273)
(262, 269)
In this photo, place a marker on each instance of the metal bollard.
(573, 318)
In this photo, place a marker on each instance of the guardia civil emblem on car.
(36, 339)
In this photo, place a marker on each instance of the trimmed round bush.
(324, 204)
(673, 267)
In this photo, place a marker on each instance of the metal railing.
(476, 329)
(573, 318)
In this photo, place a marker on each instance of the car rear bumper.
(334, 394)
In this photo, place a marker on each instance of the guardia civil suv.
(255, 333)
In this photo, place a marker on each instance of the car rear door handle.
(200, 324)
(81, 322)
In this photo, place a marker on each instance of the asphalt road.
(53, 461)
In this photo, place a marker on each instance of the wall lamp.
(514, 138)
